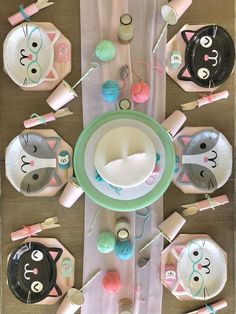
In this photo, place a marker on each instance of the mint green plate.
(83, 161)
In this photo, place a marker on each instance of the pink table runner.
(100, 20)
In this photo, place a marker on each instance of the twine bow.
(212, 204)
(210, 309)
(209, 98)
(23, 13)
(40, 118)
(29, 232)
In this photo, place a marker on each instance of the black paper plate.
(210, 48)
(32, 272)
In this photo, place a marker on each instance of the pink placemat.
(100, 20)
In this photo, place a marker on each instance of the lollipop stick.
(150, 242)
(89, 281)
(84, 76)
(159, 39)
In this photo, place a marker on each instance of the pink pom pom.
(111, 282)
(140, 92)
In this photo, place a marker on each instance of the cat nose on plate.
(213, 57)
(199, 266)
(28, 271)
(30, 57)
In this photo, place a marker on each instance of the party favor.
(203, 160)
(35, 271)
(209, 57)
(128, 148)
(34, 164)
(194, 267)
(32, 56)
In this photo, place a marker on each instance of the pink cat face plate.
(191, 267)
(38, 162)
(36, 54)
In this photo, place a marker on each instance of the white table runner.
(100, 20)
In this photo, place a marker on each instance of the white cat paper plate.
(28, 54)
(198, 267)
(97, 155)
(38, 162)
(204, 160)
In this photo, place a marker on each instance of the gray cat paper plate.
(204, 160)
(38, 162)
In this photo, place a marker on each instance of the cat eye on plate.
(206, 41)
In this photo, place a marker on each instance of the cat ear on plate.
(187, 35)
(54, 180)
(178, 289)
(55, 292)
(52, 74)
(177, 250)
(53, 142)
(184, 140)
(55, 253)
(184, 74)
(53, 35)
(183, 178)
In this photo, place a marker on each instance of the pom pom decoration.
(111, 282)
(140, 92)
(111, 91)
(105, 50)
(106, 242)
(124, 249)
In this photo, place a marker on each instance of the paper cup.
(174, 122)
(125, 306)
(61, 96)
(71, 193)
(71, 303)
(172, 11)
(170, 227)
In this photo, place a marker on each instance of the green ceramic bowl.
(84, 163)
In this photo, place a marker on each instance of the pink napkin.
(100, 20)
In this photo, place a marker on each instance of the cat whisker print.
(206, 293)
(25, 82)
(25, 29)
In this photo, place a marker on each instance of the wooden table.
(16, 106)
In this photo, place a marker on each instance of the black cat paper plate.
(40, 271)
(34, 165)
(32, 272)
(209, 56)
